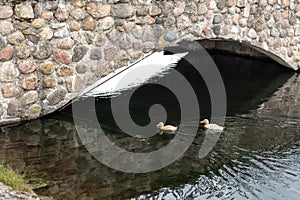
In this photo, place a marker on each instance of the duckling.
(209, 126)
(166, 128)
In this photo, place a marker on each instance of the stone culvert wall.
(51, 50)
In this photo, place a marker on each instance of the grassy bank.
(13, 179)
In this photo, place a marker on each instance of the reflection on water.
(256, 157)
(285, 102)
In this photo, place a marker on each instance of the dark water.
(256, 157)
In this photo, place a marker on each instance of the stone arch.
(51, 51)
(237, 47)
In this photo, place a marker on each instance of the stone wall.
(51, 50)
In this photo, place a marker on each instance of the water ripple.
(266, 169)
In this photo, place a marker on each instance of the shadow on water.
(255, 157)
(248, 83)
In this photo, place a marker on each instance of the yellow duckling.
(209, 126)
(166, 128)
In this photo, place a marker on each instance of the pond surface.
(256, 157)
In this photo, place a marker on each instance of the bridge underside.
(232, 47)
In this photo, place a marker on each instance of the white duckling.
(209, 126)
(166, 128)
